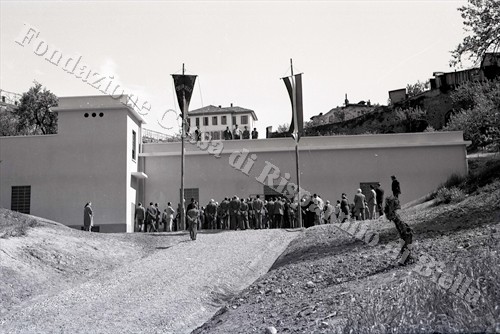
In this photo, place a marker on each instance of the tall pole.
(296, 129)
(184, 112)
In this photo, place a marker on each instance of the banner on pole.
(294, 88)
(184, 85)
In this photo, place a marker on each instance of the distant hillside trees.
(482, 23)
(34, 112)
(417, 88)
(8, 123)
(477, 113)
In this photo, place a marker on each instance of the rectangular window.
(197, 121)
(205, 121)
(191, 193)
(189, 121)
(20, 200)
(134, 143)
(244, 119)
(223, 120)
(234, 120)
(214, 120)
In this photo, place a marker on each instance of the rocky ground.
(331, 282)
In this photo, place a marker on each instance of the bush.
(450, 195)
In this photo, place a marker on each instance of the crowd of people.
(236, 133)
(255, 213)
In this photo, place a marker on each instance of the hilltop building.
(346, 112)
(97, 156)
(212, 120)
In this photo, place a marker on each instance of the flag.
(294, 87)
(184, 85)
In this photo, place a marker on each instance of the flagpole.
(296, 128)
(184, 112)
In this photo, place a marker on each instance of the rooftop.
(211, 109)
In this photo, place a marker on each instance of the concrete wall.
(329, 165)
(88, 160)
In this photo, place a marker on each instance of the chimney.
(231, 104)
(220, 106)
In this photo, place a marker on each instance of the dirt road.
(174, 290)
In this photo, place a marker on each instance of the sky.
(238, 49)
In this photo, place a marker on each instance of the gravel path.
(174, 290)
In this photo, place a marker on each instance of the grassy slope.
(329, 282)
(40, 257)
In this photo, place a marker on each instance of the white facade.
(330, 165)
(89, 160)
(94, 158)
(212, 120)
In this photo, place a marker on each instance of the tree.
(339, 114)
(34, 113)
(477, 113)
(8, 123)
(283, 128)
(417, 88)
(482, 23)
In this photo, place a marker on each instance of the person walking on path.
(380, 199)
(140, 214)
(371, 202)
(88, 217)
(396, 188)
(192, 219)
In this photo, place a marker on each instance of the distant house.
(344, 113)
(437, 101)
(213, 120)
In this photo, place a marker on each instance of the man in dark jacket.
(258, 208)
(140, 214)
(396, 189)
(234, 208)
(243, 215)
(150, 217)
(380, 199)
(210, 212)
(279, 210)
(228, 134)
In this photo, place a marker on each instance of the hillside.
(330, 282)
(326, 281)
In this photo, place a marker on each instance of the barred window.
(21, 199)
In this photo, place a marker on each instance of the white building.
(97, 157)
(93, 158)
(212, 120)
